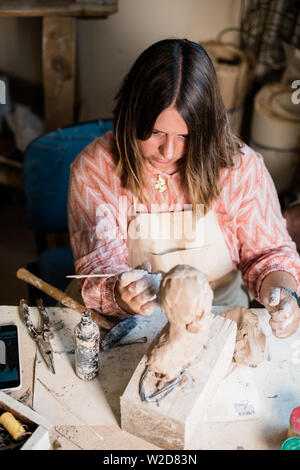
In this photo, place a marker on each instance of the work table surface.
(86, 415)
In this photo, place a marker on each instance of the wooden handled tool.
(61, 297)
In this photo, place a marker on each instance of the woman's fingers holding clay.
(137, 288)
(149, 307)
(142, 298)
(285, 310)
(143, 303)
(274, 296)
(132, 290)
(285, 319)
(284, 329)
(149, 281)
(128, 277)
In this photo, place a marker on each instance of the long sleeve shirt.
(247, 210)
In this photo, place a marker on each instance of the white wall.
(107, 48)
(20, 48)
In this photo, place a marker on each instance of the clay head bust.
(185, 297)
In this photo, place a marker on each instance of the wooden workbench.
(87, 415)
(58, 49)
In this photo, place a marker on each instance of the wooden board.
(55, 7)
(59, 50)
(171, 424)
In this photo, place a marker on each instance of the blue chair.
(46, 175)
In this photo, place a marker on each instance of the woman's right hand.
(136, 291)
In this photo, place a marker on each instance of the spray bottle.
(87, 337)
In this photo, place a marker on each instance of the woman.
(131, 193)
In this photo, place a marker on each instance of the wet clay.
(250, 345)
(186, 299)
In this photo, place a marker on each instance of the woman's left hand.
(284, 311)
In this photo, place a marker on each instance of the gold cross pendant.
(160, 184)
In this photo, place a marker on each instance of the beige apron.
(166, 239)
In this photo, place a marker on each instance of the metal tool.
(160, 394)
(42, 335)
(114, 336)
(141, 340)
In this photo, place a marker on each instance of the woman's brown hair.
(179, 73)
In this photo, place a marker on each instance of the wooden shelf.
(55, 8)
(59, 49)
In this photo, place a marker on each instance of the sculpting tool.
(143, 339)
(117, 331)
(83, 276)
(61, 297)
(114, 336)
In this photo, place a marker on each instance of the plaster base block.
(171, 423)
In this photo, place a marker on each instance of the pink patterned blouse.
(100, 209)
